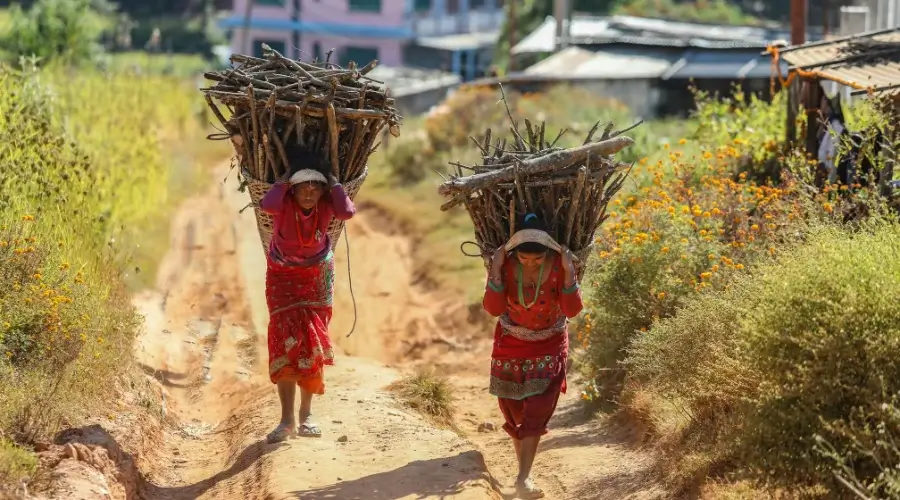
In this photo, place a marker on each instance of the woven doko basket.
(265, 224)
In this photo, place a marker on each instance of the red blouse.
(303, 236)
(553, 301)
(522, 367)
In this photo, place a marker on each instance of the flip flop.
(309, 430)
(527, 490)
(279, 435)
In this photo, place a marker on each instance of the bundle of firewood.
(527, 173)
(280, 108)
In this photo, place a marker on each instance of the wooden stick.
(276, 173)
(333, 142)
(258, 161)
(539, 165)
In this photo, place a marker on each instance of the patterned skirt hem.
(514, 390)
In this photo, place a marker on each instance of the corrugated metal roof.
(626, 63)
(466, 41)
(826, 60)
(562, 62)
(405, 80)
(629, 62)
(647, 31)
(721, 64)
(607, 64)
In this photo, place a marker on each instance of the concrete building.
(650, 65)
(362, 30)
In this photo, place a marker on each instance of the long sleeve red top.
(299, 235)
(553, 302)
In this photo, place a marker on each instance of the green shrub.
(56, 29)
(84, 181)
(805, 347)
(824, 343)
(15, 463)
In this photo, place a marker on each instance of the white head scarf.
(308, 175)
(532, 236)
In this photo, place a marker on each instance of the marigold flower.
(661, 295)
(705, 276)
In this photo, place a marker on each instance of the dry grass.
(429, 394)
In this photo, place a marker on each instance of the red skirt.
(299, 297)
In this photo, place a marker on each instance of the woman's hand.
(568, 261)
(497, 261)
(286, 178)
(332, 180)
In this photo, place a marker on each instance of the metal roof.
(721, 64)
(588, 30)
(616, 63)
(562, 62)
(613, 63)
(466, 41)
(825, 60)
(626, 62)
(404, 80)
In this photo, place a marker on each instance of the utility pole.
(798, 21)
(295, 39)
(511, 25)
(245, 36)
(561, 14)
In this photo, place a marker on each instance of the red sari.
(299, 297)
(300, 286)
(528, 362)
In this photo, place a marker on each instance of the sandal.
(279, 435)
(309, 430)
(527, 490)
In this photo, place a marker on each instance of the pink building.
(362, 30)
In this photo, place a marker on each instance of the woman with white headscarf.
(299, 289)
(532, 287)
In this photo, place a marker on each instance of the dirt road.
(204, 341)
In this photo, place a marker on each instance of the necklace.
(315, 233)
(537, 288)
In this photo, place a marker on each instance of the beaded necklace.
(314, 237)
(537, 288)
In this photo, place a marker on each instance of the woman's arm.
(343, 206)
(273, 201)
(570, 301)
(494, 301)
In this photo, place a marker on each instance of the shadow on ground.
(406, 482)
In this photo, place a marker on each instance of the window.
(476, 4)
(365, 5)
(360, 55)
(278, 45)
(422, 5)
(317, 51)
(279, 3)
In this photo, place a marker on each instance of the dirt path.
(204, 343)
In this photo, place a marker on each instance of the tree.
(56, 29)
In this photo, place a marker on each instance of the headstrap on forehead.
(532, 236)
(308, 175)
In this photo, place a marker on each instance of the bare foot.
(527, 490)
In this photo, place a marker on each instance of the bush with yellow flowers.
(693, 221)
(82, 179)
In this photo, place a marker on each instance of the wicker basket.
(265, 224)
